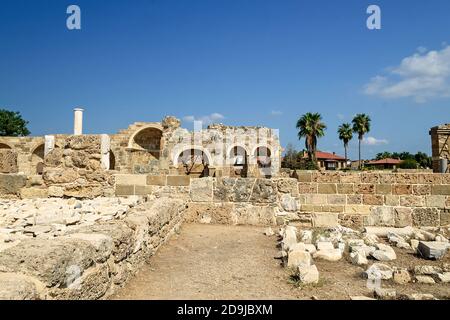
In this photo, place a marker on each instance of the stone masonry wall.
(310, 198)
(53, 257)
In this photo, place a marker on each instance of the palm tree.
(345, 132)
(311, 127)
(361, 125)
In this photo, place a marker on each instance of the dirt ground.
(237, 262)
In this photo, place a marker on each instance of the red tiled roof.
(326, 156)
(384, 161)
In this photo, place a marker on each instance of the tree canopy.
(12, 124)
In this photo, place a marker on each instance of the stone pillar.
(49, 144)
(78, 121)
(105, 149)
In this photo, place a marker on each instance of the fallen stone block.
(298, 257)
(322, 245)
(401, 276)
(425, 279)
(379, 271)
(358, 258)
(383, 231)
(384, 253)
(444, 277)
(432, 249)
(427, 270)
(17, 287)
(308, 274)
(385, 293)
(329, 254)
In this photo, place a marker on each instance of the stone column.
(105, 149)
(78, 121)
(49, 144)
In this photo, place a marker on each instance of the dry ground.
(237, 262)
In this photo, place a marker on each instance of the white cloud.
(422, 76)
(371, 141)
(276, 113)
(340, 116)
(206, 120)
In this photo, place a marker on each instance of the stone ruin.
(79, 214)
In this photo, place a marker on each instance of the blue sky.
(241, 62)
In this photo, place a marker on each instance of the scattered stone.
(306, 236)
(308, 274)
(401, 276)
(361, 298)
(425, 279)
(385, 293)
(322, 245)
(427, 270)
(269, 232)
(379, 271)
(298, 257)
(358, 258)
(297, 247)
(441, 238)
(310, 248)
(329, 254)
(432, 250)
(281, 255)
(418, 296)
(384, 253)
(38, 230)
(414, 244)
(444, 277)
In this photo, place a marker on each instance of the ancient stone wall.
(440, 145)
(8, 161)
(311, 198)
(86, 251)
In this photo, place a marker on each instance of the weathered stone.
(269, 232)
(288, 186)
(418, 296)
(264, 191)
(308, 274)
(17, 287)
(298, 257)
(288, 203)
(59, 176)
(33, 193)
(202, 189)
(426, 217)
(178, 180)
(432, 250)
(322, 245)
(444, 277)
(402, 217)
(358, 258)
(8, 161)
(425, 279)
(385, 293)
(381, 216)
(427, 270)
(156, 180)
(12, 183)
(329, 254)
(379, 271)
(384, 253)
(401, 276)
(327, 188)
(49, 260)
(325, 220)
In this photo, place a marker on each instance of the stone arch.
(236, 153)
(37, 159)
(4, 146)
(263, 156)
(112, 160)
(148, 138)
(193, 161)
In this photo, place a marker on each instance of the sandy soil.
(237, 262)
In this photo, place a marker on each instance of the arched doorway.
(112, 160)
(194, 162)
(37, 159)
(264, 161)
(149, 140)
(239, 160)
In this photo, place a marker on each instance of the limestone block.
(131, 179)
(402, 217)
(288, 185)
(298, 257)
(59, 176)
(435, 201)
(440, 189)
(17, 287)
(202, 189)
(383, 189)
(308, 274)
(156, 180)
(425, 217)
(289, 203)
(327, 188)
(381, 216)
(345, 188)
(33, 193)
(432, 249)
(402, 189)
(264, 191)
(379, 271)
(325, 219)
(178, 180)
(8, 161)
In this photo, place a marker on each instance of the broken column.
(78, 121)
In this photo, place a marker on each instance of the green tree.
(408, 164)
(423, 159)
(12, 124)
(345, 132)
(311, 127)
(290, 157)
(361, 126)
(383, 155)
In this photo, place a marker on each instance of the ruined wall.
(8, 161)
(79, 168)
(440, 142)
(29, 151)
(309, 199)
(59, 257)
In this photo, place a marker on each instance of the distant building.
(328, 161)
(384, 164)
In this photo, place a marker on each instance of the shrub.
(409, 164)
